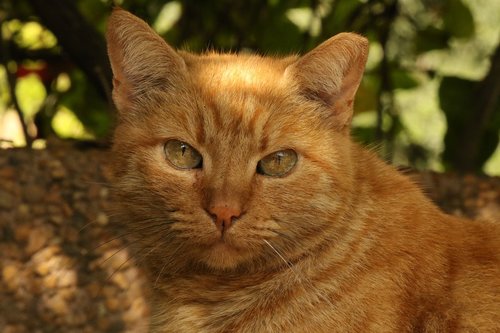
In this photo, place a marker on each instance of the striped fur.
(343, 243)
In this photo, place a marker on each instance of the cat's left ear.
(331, 74)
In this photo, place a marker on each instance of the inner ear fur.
(331, 74)
(140, 59)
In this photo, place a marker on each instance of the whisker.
(110, 240)
(94, 221)
(282, 234)
(116, 252)
(128, 259)
(145, 226)
(282, 258)
(159, 274)
(300, 277)
(137, 256)
(91, 182)
(165, 265)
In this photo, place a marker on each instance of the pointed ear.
(331, 74)
(142, 62)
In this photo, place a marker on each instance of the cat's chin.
(224, 256)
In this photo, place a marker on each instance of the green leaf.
(87, 105)
(364, 135)
(431, 38)
(403, 79)
(457, 98)
(340, 17)
(458, 20)
(289, 37)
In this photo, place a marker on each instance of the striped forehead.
(237, 97)
(236, 115)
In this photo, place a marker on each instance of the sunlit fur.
(343, 243)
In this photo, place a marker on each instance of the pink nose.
(223, 215)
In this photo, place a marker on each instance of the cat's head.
(231, 161)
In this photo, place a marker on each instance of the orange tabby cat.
(253, 211)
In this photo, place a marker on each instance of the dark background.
(442, 53)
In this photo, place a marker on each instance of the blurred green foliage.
(431, 64)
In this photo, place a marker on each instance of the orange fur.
(343, 243)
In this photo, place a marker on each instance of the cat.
(251, 209)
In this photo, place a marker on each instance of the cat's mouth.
(225, 254)
(226, 243)
(224, 246)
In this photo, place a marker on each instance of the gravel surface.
(63, 270)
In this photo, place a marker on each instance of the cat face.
(230, 161)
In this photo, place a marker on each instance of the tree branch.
(487, 100)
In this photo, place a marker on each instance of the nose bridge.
(228, 165)
(226, 193)
(226, 185)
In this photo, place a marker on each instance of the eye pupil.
(181, 155)
(277, 164)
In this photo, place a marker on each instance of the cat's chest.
(225, 317)
(277, 305)
(257, 308)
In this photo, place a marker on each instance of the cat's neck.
(383, 187)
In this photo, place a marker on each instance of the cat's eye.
(277, 164)
(181, 155)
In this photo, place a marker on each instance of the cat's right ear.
(140, 59)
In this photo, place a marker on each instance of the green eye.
(181, 155)
(278, 163)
